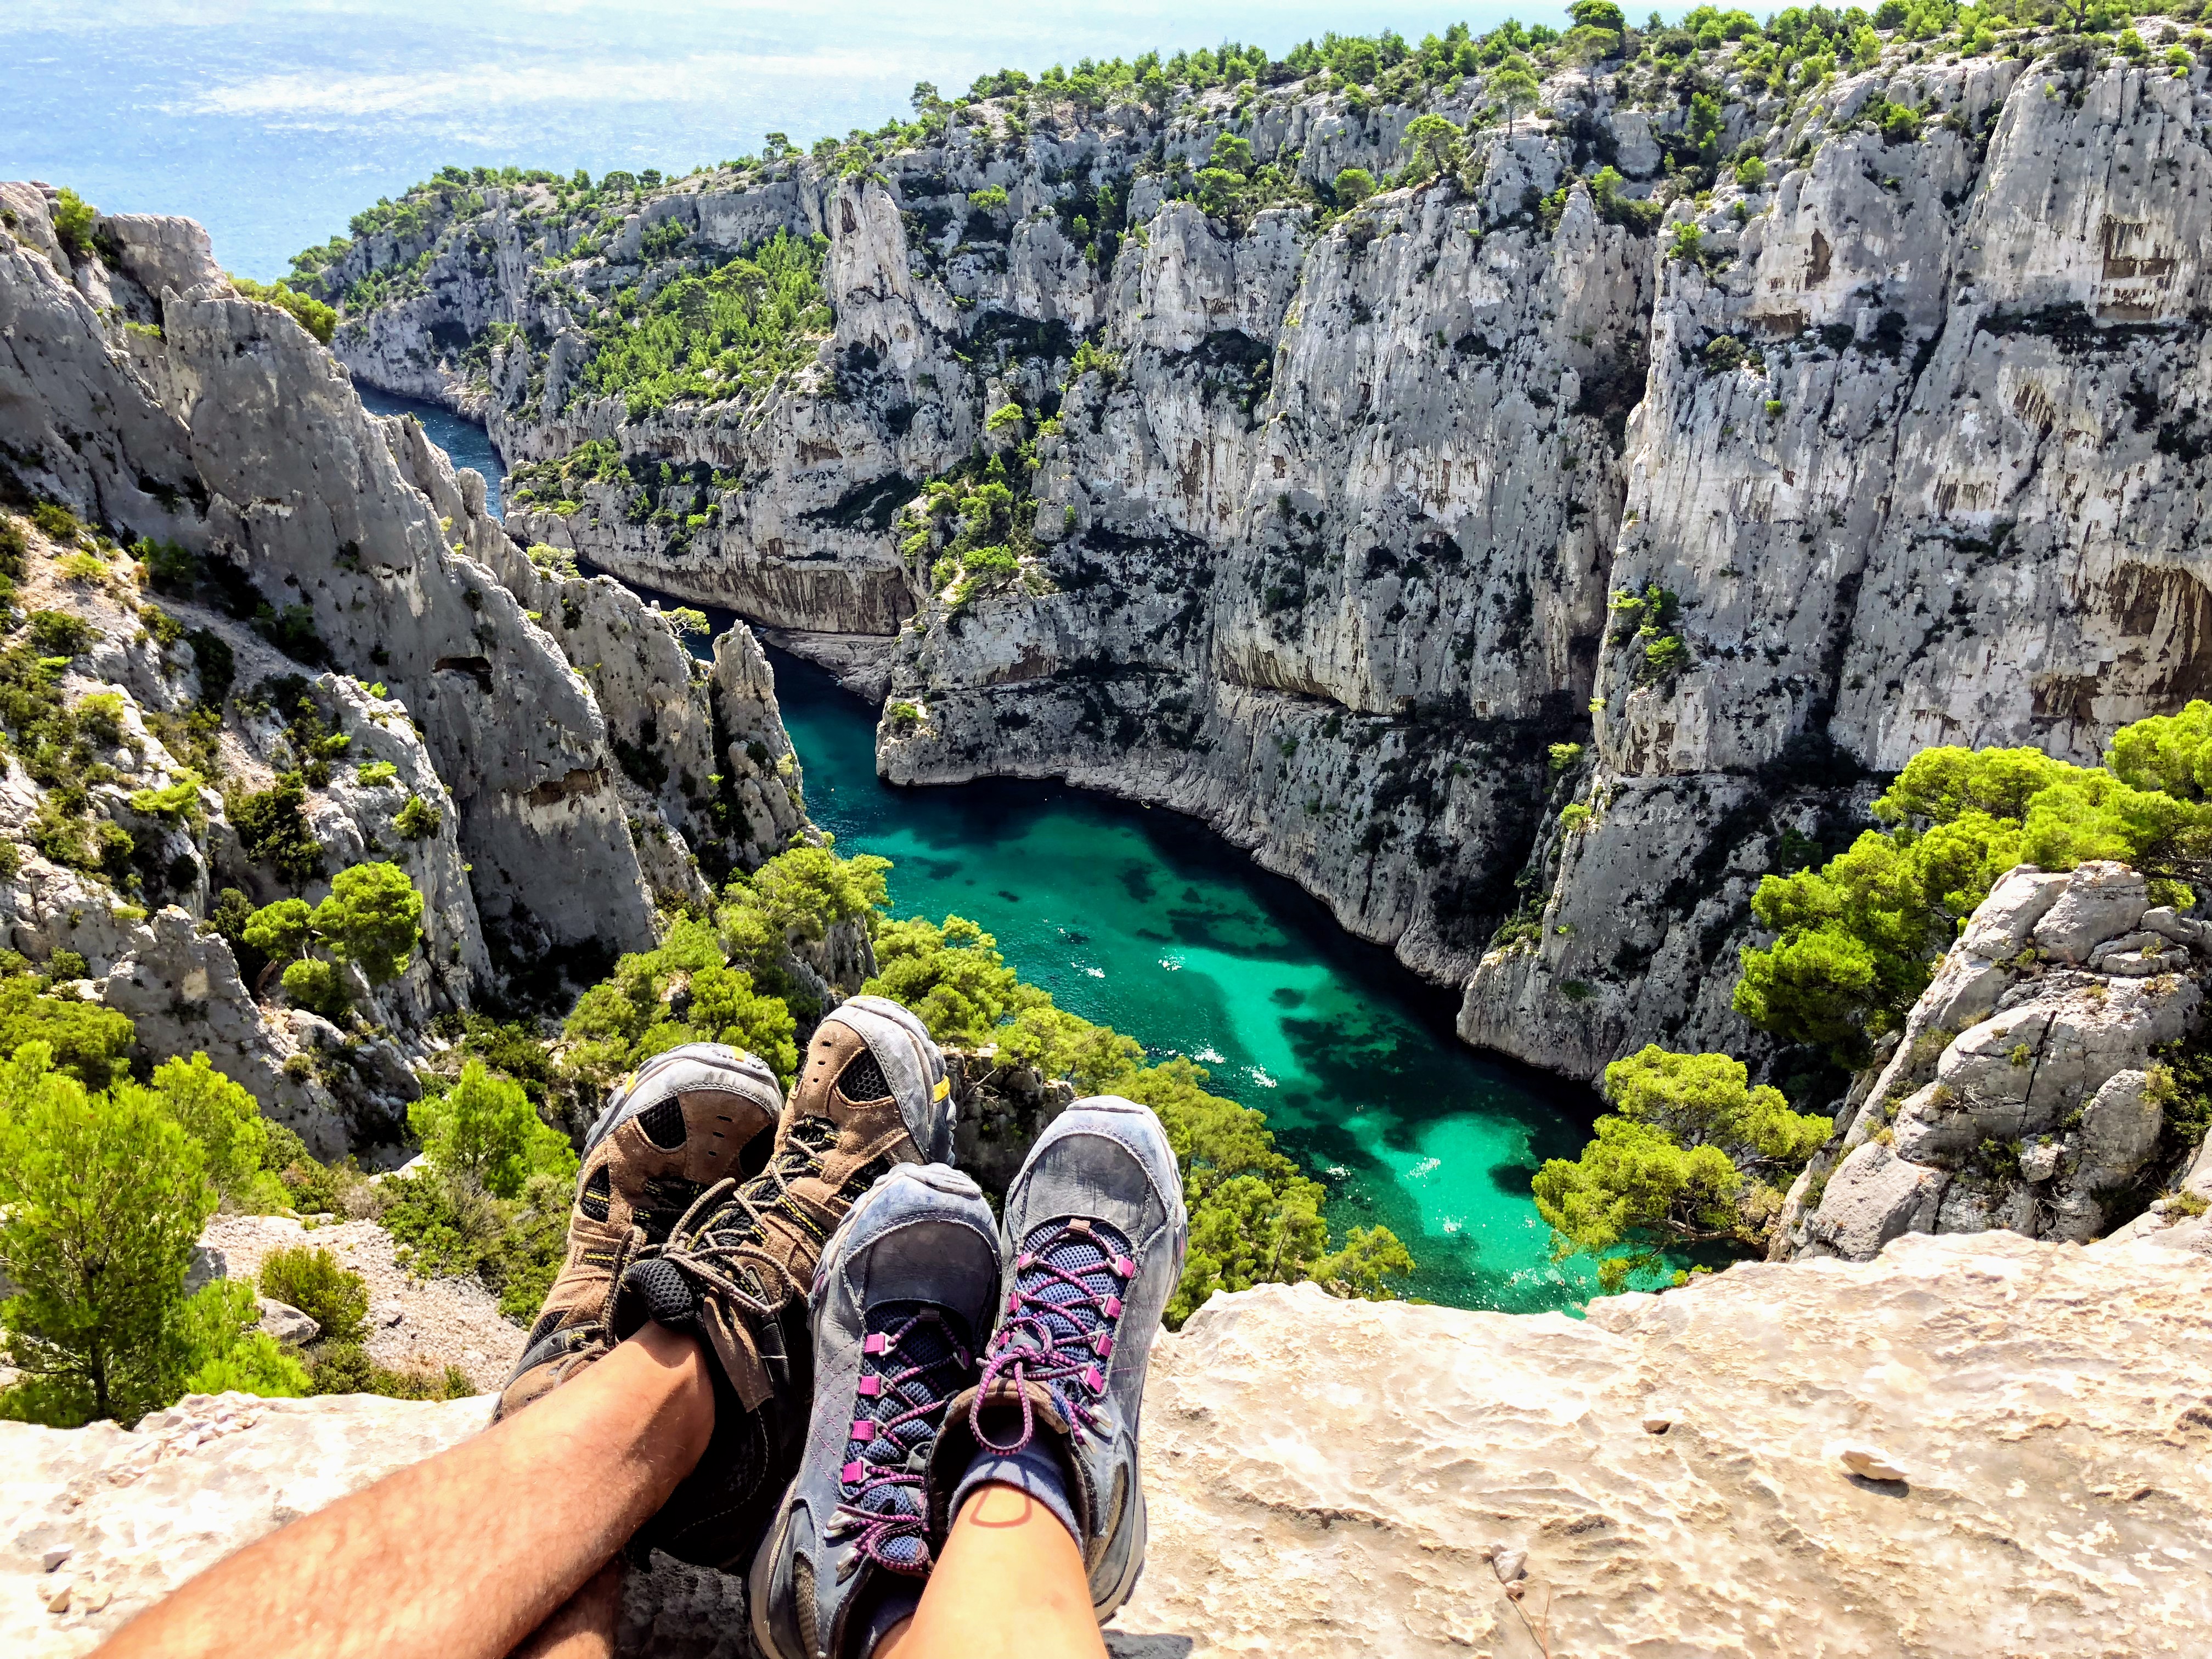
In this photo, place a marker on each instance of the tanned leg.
(463, 1555)
(1010, 1585)
(583, 1626)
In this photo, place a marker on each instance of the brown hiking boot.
(682, 1122)
(735, 1271)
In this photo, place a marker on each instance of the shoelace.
(729, 1233)
(896, 1415)
(1060, 1322)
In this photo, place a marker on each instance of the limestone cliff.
(1777, 1460)
(318, 597)
(1896, 445)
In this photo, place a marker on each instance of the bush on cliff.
(1691, 1154)
(1859, 938)
(320, 1286)
(483, 1130)
(731, 331)
(311, 313)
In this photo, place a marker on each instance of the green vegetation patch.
(717, 334)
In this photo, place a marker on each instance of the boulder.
(2038, 1114)
(2101, 899)
(286, 1322)
(1875, 1196)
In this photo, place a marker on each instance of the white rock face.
(221, 424)
(2020, 1094)
(1933, 492)
(1771, 1452)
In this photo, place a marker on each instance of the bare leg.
(465, 1554)
(1010, 1585)
(583, 1626)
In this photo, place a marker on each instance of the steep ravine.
(1907, 439)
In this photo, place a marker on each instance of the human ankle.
(1033, 1474)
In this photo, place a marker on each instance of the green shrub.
(90, 1042)
(419, 819)
(629, 1018)
(346, 1368)
(219, 1351)
(227, 1123)
(272, 827)
(1687, 1144)
(713, 336)
(58, 633)
(311, 313)
(73, 219)
(1354, 185)
(374, 774)
(451, 1227)
(1859, 938)
(318, 986)
(372, 918)
(102, 1197)
(483, 1131)
(314, 1281)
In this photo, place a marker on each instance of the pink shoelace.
(1061, 1316)
(896, 1412)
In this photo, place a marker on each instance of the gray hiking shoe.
(906, 1286)
(1094, 1237)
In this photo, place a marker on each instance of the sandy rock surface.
(412, 1323)
(1811, 1458)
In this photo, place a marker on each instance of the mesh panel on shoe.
(1072, 1313)
(863, 1079)
(921, 1362)
(548, 1322)
(593, 1199)
(663, 1123)
(667, 1198)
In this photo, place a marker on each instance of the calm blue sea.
(272, 124)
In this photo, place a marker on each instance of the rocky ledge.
(1780, 1458)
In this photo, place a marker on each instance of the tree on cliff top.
(1691, 1154)
(1859, 938)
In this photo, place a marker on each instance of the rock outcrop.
(1778, 1459)
(1912, 468)
(1894, 444)
(2027, 1088)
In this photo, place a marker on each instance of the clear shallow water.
(1147, 922)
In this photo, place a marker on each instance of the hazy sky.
(274, 123)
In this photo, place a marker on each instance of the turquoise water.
(1145, 921)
